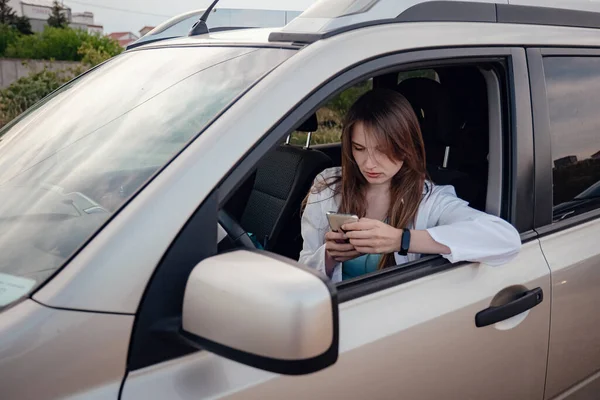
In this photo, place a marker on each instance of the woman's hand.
(370, 236)
(337, 248)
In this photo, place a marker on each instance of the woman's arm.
(471, 235)
(375, 237)
(421, 242)
(456, 231)
(314, 228)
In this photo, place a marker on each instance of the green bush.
(8, 37)
(92, 56)
(59, 44)
(27, 91)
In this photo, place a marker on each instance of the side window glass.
(572, 85)
(331, 116)
(420, 73)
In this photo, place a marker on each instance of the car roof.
(330, 15)
(328, 18)
(243, 37)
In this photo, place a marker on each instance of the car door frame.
(544, 224)
(543, 220)
(155, 327)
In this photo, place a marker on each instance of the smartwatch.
(404, 242)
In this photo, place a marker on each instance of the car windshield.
(74, 159)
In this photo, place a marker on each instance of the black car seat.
(439, 127)
(468, 87)
(282, 180)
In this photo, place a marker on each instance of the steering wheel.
(234, 230)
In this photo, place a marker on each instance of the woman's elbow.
(509, 246)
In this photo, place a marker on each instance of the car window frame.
(520, 161)
(544, 201)
(176, 260)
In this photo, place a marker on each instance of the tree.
(7, 14)
(9, 18)
(23, 25)
(57, 17)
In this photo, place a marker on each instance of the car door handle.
(525, 302)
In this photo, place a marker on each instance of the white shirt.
(471, 235)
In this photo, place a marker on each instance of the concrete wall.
(13, 69)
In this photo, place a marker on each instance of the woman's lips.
(373, 175)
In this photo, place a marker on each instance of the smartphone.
(336, 220)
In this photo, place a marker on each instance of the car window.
(572, 85)
(330, 117)
(75, 159)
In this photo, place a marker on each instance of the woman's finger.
(364, 242)
(360, 234)
(356, 226)
(352, 253)
(366, 250)
(334, 236)
(347, 256)
(362, 225)
(333, 246)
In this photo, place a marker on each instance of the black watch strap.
(404, 242)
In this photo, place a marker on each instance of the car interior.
(453, 113)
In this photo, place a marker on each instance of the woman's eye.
(358, 148)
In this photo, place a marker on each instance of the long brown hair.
(392, 123)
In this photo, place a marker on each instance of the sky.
(132, 15)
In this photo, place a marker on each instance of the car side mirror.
(262, 310)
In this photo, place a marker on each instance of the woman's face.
(376, 167)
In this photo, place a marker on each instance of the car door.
(408, 332)
(565, 85)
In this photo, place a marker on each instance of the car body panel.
(574, 258)
(125, 253)
(379, 355)
(47, 353)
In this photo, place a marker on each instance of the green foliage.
(8, 37)
(60, 44)
(54, 43)
(27, 91)
(91, 56)
(23, 25)
(58, 19)
(9, 18)
(7, 14)
(343, 101)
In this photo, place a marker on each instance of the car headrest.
(434, 109)
(310, 125)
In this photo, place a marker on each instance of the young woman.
(402, 215)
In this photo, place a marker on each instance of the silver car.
(150, 213)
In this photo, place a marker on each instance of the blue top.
(364, 264)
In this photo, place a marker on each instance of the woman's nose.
(371, 160)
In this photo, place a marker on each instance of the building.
(124, 38)
(145, 30)
(565, 161)
(596, 156)
(250, 18)
(38, 12)
(85, 21)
